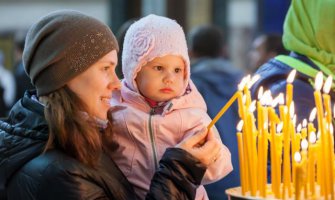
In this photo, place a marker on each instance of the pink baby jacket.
(142, 137)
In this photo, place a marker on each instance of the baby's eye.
(159, 68)
(177, 70)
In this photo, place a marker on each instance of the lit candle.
(289, 87)
(253, 150)
(304, 146)
(279, 156)
(320, 113)
(299, 173)
(240, 156)
(329, 152)
(311, 162)
(286, 161)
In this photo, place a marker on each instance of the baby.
(158, 104)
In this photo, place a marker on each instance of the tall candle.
(279, 156)
(331, 158)
(311, 163)
(329, 152)
(319, 109)
(299, 173)
(240, 156)
(304, 146)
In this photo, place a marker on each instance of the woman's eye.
(177, 70)
(106, 68)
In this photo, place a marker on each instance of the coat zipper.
(152, 138)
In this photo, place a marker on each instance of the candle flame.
(253, 80)
(304, 144)
(312, 137)
(292, 109)
(252, 106)
(334, 111)
(297, 157)
(304, 123)
(291, 76)
(299, 128)
(331, 129)
(312, 115)
(318, 81)
(242, 84)
(281, 98)
(294, 120)
(260, 93)
(279, 127)
(318, 135)
(240, 126)
(328, 84)
(269, 98)
(276, 101)
(263, 100)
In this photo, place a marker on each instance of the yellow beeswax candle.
(311, 163)
(331, 159)
(252, 156)
(304, 146)
(320, 114)
(328, 122)
(279, 156)
(286, 162)
(223, 110)
(275, 178)
(240, 156)
(299, 175)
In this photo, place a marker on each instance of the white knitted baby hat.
(150, 37)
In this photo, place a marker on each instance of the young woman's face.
(95, 86)
(162, 79)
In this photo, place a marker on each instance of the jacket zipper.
(152, 138)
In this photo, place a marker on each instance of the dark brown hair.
(70, 128)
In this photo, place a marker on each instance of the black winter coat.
(25, 173)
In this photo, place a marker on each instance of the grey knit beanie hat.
(62, 45)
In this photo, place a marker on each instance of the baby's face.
(162, 79)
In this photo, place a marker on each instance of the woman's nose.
(114, 83)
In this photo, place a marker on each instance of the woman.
(71, 59)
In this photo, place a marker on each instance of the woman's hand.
(203, 145)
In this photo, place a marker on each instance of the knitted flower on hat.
(150, 37)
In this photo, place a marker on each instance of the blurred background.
(241, 20)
